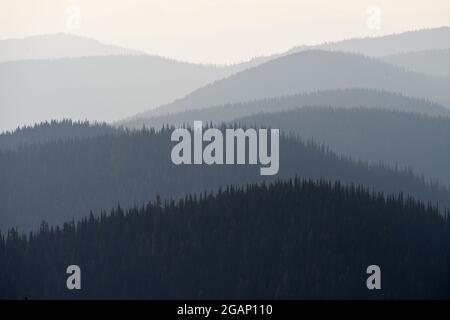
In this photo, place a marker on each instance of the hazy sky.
(218, 31)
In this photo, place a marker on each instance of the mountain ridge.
(309, 71)
(342, 98)
(57, 46)
(66, 179)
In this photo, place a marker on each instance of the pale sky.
(218, 31)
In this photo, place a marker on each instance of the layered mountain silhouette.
(106, 83)
(410, 41)
(65, 45)
(64, 180)
(365, 126)
(373, 133)
(394, 44)
(345, 98)
(104, 88)
(120, 82)
(310, 71)
(396, 138)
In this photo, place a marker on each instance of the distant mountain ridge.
(345, 98)
(408, 41)
(56, 46)
(374, 135)
(310, 71)
(379, 46)
(98, 88)
(433, 62)
(66, 60)
(65, 45)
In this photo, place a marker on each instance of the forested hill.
(417, 141)
(292, 239)
(52, 131)
(59, 181)
(344, 98)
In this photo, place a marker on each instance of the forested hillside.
(291, 239)
(346, 98)
(52, 131)
(66, 179)
(421, 142)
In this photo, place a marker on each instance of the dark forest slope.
(289, 240)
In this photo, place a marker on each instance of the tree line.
(288, 239)
(65, 179)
